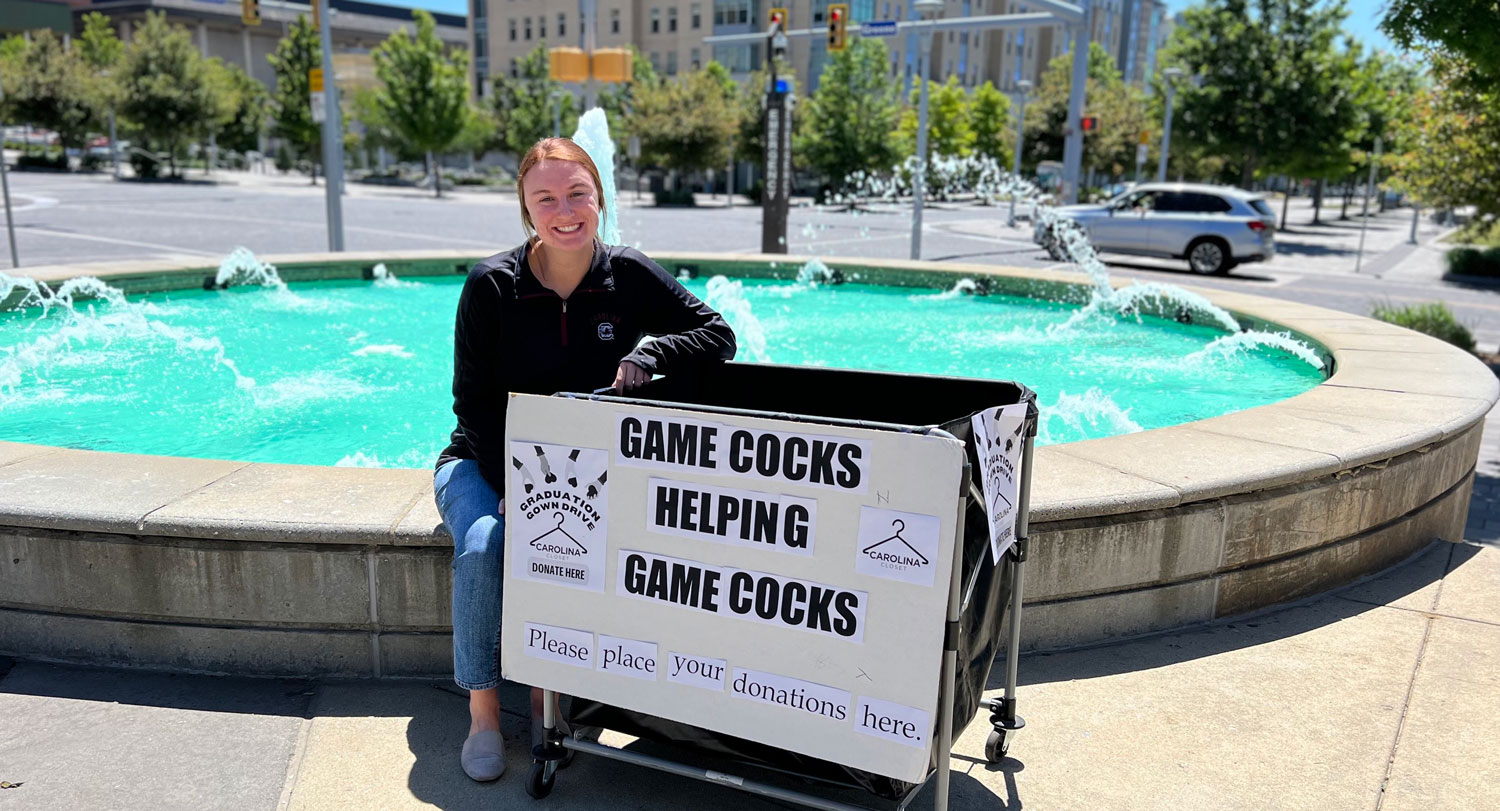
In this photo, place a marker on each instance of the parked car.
(1214, 228)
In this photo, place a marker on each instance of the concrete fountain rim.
(1392, 392)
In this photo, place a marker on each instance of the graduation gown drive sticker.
(997, 436)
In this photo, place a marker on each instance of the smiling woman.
(562, 312)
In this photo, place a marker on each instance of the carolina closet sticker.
(898, 545)
(556, 514)
(997, 437)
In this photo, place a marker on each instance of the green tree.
(291, 103)
(98, 46)
(1273, 89)
(523, 105)
(989, 116)
(949, 130)
(617, 100)
(684, 125)
(56, 90)
(1451, 141)
(1466, 29)
(1122, 112)
(164, 85)
(426, 92)
(243, 105)
(847, 125)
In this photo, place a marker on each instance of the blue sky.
(1363, 21)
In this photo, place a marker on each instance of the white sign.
(898, 545)
(998, 439)
(319, 106)
(877, 28)
(688, 445)
(556, 514)
(725, 515)
(756, 596)
(742, 584)
(1140, 153)
(565, 645)
(627, 657)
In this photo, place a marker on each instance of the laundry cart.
(797, 569)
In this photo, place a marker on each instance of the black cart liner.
(898, 402)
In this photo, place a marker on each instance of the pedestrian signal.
(838, 22)
(250, 12)
(777, 18)
(1089, 123)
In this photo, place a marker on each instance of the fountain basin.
(225, 566)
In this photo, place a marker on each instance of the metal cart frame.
(557, 747)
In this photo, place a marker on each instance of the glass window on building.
(478, 9)
(672, 19)
(512, 30)
(819, 10)
(671, 63)
(515, 69)
(541, 27)
(655, 61)
(614, 21)
(696, 14)
(562, 25)
(656, 21)
(527, 28)
(697, 59)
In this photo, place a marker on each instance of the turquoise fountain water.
(357, 372)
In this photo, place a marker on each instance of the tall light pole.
(333, 139)
(10, 225)
(1169, 77)
(1015, 167)
(1073, 143)
(927, 9)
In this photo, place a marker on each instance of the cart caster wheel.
(540, 780)
(996, 747)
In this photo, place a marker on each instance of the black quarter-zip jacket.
(514, 335)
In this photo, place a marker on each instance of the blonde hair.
(562, 149)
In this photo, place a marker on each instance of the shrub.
(675, 197)
(146, 166)
(1433, 318)
(58, 161)
(1474, 261)
(283, 158)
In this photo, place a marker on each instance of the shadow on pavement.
(1300, 249)
(1237, 274)
(1142, 653)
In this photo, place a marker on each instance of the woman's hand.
(630, 377)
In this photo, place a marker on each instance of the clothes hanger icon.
(559, 528)
(900, 527)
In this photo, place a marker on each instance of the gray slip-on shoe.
(484, 756)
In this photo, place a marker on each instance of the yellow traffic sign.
(315, 80)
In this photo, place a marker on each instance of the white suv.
(1213, 227)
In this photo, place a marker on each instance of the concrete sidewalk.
(1383, 696)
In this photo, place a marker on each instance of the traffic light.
(838, 22)
(1089, 123)
(250, 12)
(777, 19)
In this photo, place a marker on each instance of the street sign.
(1144, 138)
(1140, 154)
(878, 28)
(319, 105)
(315, 80)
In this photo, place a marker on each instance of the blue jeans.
(471, 510)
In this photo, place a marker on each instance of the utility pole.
(1365, 220)
(1073, 144)
(778, 184)
(10, 224)
(1015, 169)
(1169, 77)
(333, 141)
(926, 8)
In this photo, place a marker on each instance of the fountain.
(230, 565)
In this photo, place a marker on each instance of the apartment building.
(670, 34)
(218, 30)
